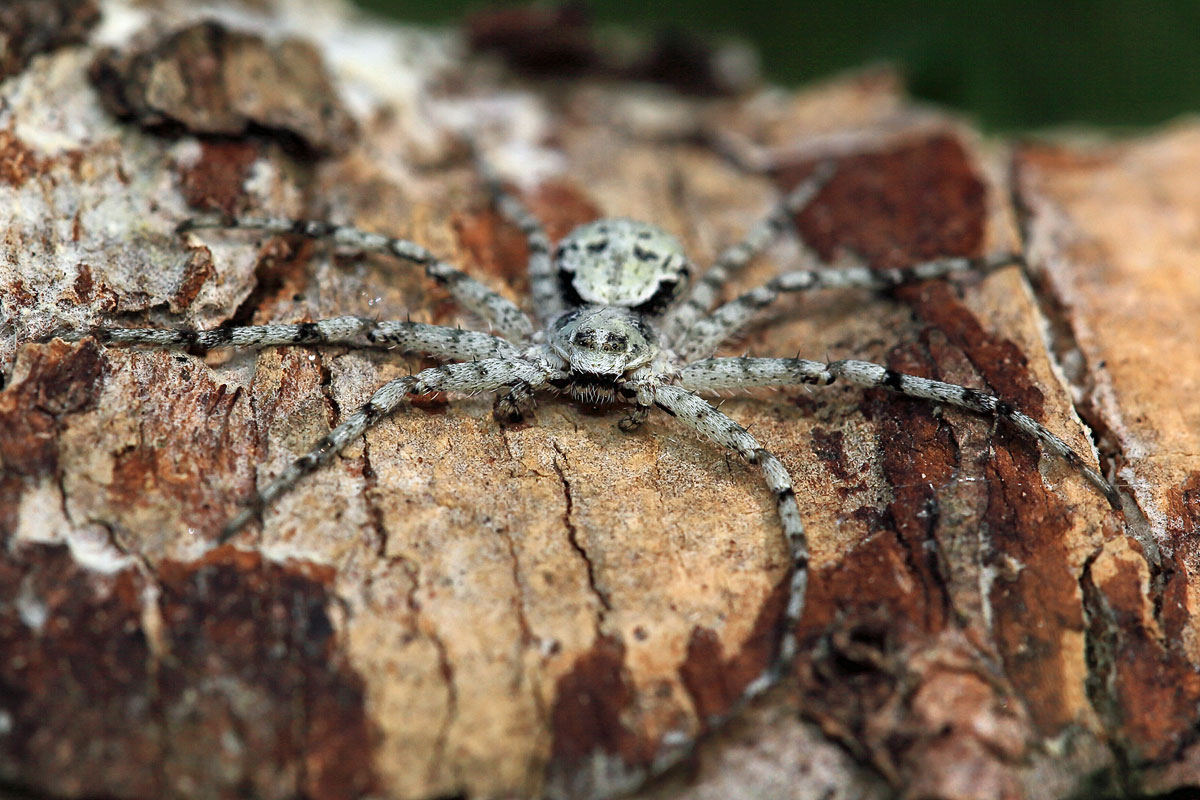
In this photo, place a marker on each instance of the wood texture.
(456, 608)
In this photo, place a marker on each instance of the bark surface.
(458, 608)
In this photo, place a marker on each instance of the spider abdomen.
(622, 262)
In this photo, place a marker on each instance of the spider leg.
(548, 301)
(724, 374)
(511, 406)
(698, 414)
(731, 260)
(410, 337)
(707, 333)
(864, 373)
(505, 316)
(473, 376)
(716, 374)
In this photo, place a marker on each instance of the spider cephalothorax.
(612, 322)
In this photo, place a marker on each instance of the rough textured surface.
(455, 608)
(29, 27)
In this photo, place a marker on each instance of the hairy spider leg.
(469, 377)
(707, 333)
(509, 321)
(731, 260)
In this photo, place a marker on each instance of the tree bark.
(458, 608)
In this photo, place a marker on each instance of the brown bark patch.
(714, 682)
(248, 653)
(215, 182)
(499, 247)
(281, 275)
(197, 272)
(1035, 599)
(18, 161)
(58, 379)
(75, 680)
(561, 206)
(190, 441)
(1183, 509)
(11, 487)
(254, 656)
(29, 27)
(88, 289)
(207, 79)
(917, 201)
(589, 721)
(999, 361)
(1154, 688)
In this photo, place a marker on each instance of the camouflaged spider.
(620, 323)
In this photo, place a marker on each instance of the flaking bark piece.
(1111, 231)
(208, 79)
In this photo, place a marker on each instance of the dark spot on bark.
(559, 41)
(827, 446)
(714, 681)
(75, 680)
(592, 703)
(215, 181)
(249, 659)
(196, 272)
(58, 379)
(689, 64)
(29, 27)
(538, 40)
(11, 487)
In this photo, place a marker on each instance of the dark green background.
(1010, 64)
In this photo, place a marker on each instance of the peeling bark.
(455, 607)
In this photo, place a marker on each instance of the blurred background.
(1010, 64)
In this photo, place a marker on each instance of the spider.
(618, 322)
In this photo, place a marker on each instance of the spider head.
(604, 341)
(622, 262)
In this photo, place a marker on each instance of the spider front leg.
(510, 321)
(473, 376)
(864, 373)
(410, 337)
(718, 374)
(707, 333)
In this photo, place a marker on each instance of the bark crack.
(374, 512)
(445, 666)
(573, 533)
